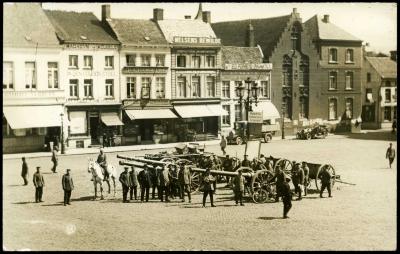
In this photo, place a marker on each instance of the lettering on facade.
(90, 46)
(140, 70)
(196, 40)
(86, 73)
(255, 117)
(260, 66)
(193, 51)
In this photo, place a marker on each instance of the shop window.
(88, 88)
(349, 108)
(226, 119)
(210, 86)
(265, 89)
(73, 88)
(109, 88)
(131, 87)
(160, 88)
(52, 73)
(332, 109)
(349, 80)
(77, 122)
(368, 77)
(387, 95)
(146, 60)
(349, 56)
(181, 87)
(196, 61)
(332, 55)
(109, 62)
(8, 76)
(210, 60)
(30, 75)
(196, 91)
(160, 60)
(332, 80)
(88, 62)
(387, 114)
(130, 60)
(181, 61)
(226, 89)
(73, 61)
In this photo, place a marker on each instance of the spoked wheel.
(285, 164)
(267, 138)
(195, 182)
(331, 170)
(260, 196)
(239, 141)
(262, 192)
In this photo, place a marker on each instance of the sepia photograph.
(199, 126)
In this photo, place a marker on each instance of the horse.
(98, 177)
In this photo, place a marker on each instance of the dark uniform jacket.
(286, 192)
(102, 160)
(145, 179)
(390, 153)
(54, 156)
(24, 171)
(227, 165)
(298, 176)
(67, 182)
(246, 163)
(38, 180)
(155, 177)
(209, 182)
(325, 177)
(125, 179)
(238, 183)
(133, 177)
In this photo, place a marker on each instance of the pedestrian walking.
(223, 144)
(326, 179)
(306, 171)
(390, 154)
(38, 182)
(298, 179)
(54, 159)
(125, 181)
(68, 186)
(185, 180)
(145, 183)
(394, 126)
(134, 183)
(208, 187)
(24, 171)
(238, 187)
(286, 197)
(164, 183)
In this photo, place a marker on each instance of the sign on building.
(255, 117)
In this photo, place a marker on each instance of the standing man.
(238, 187)
(209, 183)
(68, 186)
(394, 126)
(126, 183)
(325, 177)
(102, 161)
(164, 183)
(185, 180)
(145, 183)
(223, 144)
(24, 172)
(38, 181)
(306, 171)
(54, 159)
(155, 180)
(134, 183)
(298, 180)
(287, 197)
(390, 154)
(227, 166)
(246, 162)
(280, 180)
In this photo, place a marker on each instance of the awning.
(195, 111)
(150, 114)
(23, 117)
(218, 110)
(110, 118)
(268, 109)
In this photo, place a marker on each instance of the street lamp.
(62, 134)
(283, 121)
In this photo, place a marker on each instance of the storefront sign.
(90, 73)
(260, 66)
(195, 51)
(89, 46)
(255, 117)
(196, 40)
(144, 70)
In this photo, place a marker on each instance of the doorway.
(94, 124)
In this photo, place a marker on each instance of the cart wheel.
(285, 164)
(260, 196)
(308, 136)
(239, 141)
(267, 138)
(331, 170)
(261, 189)
(194, 187)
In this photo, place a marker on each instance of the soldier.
(145, 183)
(239, 187)
(325, 177)
(126, 183)
(164, 183)
(54, 159)
(68, 186)
(24, 172)
(185, 180)
(38, 181)
(209, 186)
(102, 161)
(134, 183)
(280, 180)
(298, 179)
(175, 192)
(286, 197)
(306, 171)
(223, 144)
(155, 182)
(246, 162)
(227, 166)
(390, 154)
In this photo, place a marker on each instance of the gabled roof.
(385, 67)
(318, 29)
(266, 32)
(185, 28)
(26, 25)
(80, 27)
(241, 55)
(137, 32)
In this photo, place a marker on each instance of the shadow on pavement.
(15, 185)
(378, 135)
(270, 218)
(87, 198)
(23, 203)
(56, 204)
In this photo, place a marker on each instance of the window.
(181, 61)
(303, 107)
(387, 83)
(160, 60)
(160, 88)
(265, 88)
(109, 88)
(332, 109)
(8, 75)
(210, 61)
(349, 56)
(238, 114)
(237, 84)
(181, 87)
(395, 95)
(146, 84)
(333, 55)
(196, 61)
(73, 61)
(387, 95)
(88, 88)
(73, 88)
(387, 114)
(130, 60)
(226, 89)
(303, 77)
(88, 62)
(210, 86)
(131, 87)
(368, 77)
(368, 93)
(349, 80)
(52, 74)
(287, 107)
(287, 76)
(30, 75)
(146, 60)
(226, 119)
(349, 108)
(332, 80)
(196, 92)
(109, 61)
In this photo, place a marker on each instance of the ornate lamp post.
(283, 121)
(62, 134)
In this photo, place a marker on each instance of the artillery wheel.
(244, 170)
(194, 187)
(285, 164)
(239, 141)
(261, 189)
(260, 196)
(267, 138)
(331, 170)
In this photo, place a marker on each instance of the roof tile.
(386, 67)
(241, 55)
(185, 28)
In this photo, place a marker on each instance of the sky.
(375, 23)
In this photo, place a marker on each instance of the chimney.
(207, 17)
(158, 14)
(326, 18)
(250, 36)
(188, 17)
(105, 12)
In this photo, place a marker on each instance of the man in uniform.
(24, 172)
(155, 181)
(38, 181)
(238, 187)
(286, 197)
(325, 177)
(126, 183)
(246, 162)
(68, 186)
(280, 180)
(306, 171)
(164, 183)
(185, 180)
(145, 183)
(54, 159)
(298, 179)
(390, 154)
(134, 183)
(102, 161)
(227, 166)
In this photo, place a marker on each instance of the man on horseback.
(102, 161)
